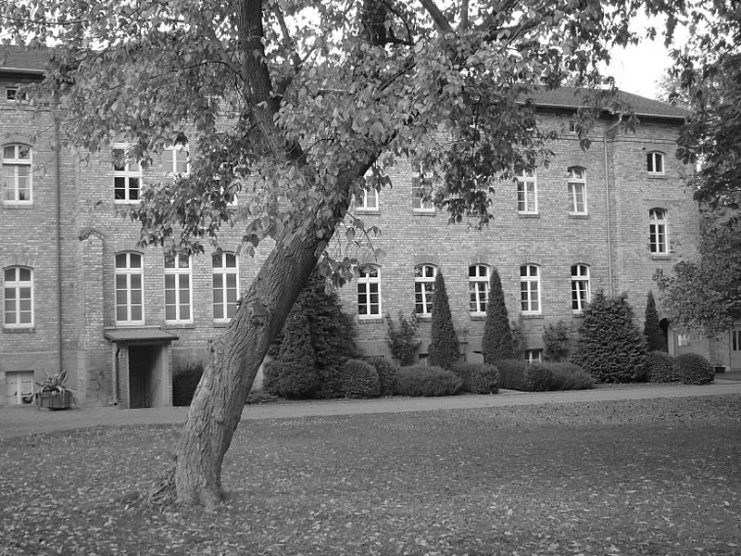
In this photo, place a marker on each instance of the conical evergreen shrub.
(443, 351)
(652, 332)
(497, 343)
(610, 346)
(293, 373)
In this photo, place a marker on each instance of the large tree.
(290, 105)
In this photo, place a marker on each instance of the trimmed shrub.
(652, 332)
(401, 339)
(497, 342)
(443, 350)
(567, 376)
(512, 374)
(556, 342)
(420, 380)
(388, 374)
(184, 383)
(477, 378)
(693, 368)
(610, 346)
(360, 379)
(661, 367)
(538, 378)
(293, 374)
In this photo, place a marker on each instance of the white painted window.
(655, 163)
(577, 186)
(735, 340)
(177, 289)
(424, 288)
(419, 203)
(225, 285)
(14, 94)
(18, 297)
(657, 231)
(530, 289)
(17, 175)
(527, 192)
(177, 160)
(127, 176)
(129, 277)
(368, 199)
(369, 291)
(580, 291)
(478, 289)
(534, 356)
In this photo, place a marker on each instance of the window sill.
(424, 318)
(368, 211)
(528, 215)
(17, 206)
(657, 176)
(656, 257)
(179, 325)
(369, 319)
(579, 215)
(478, 317)
(29, 330)
(123, 202)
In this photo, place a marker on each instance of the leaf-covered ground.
(632, 477)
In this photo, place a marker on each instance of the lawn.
(631, 477)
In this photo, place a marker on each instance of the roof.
(573, 97)
(22, 59)
(139, 335)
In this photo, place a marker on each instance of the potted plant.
(54, 393)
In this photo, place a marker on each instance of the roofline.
(574, 107)
(6, 69)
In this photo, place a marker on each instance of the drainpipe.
(608, 208)
(114, 386)
(58, 184)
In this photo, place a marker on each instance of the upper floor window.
(177, 289)
(177, 160)
(17, 174)
(577, 190)
(527, 192)
(129, 294)
(368, 199)
(655, 163)
(530, 289)
(419, 191)
(127, 176)
(580, 293)
(657, 231)
(478, 289)
(225, 277)
(18, 297)
(369, 291)
(424, 288)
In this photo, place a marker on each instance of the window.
(577, 190)
(368, 199)
(657, 228)
(527, 192)
(683, 340)
(478, 289)
(225, 285)
(369, 291)
(424, 287)
(580, 294)
(177, 160)
(529, 290)
(17, 174)
(655, 163)
(177, 289)
(419, 189)
(127, 177)
(534, 355)
(129, 298)
(18, 297)
(736, 340)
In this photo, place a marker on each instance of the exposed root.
(162, 492)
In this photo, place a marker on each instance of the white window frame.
(11, 174)
(577, 181)
(527, 192)
(17, 285)
(478, 289)
(369, 278)
(171, 153)
(17, 94)
(368, 200)
(654, 159)
(224, 272)
(128, 272)
(534, 356)
(419, 205)
(580, 287)
(735, 339)
(658, 231)
(176, 270)
(530, 289)
(131, 170)
(424, 288)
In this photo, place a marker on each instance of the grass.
(615, 478)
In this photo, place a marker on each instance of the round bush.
(512, 374)
(694, 369)
(184, 384)
(289, 379)
(388, 374)
(420, 380)
(567, 376)
(360, 380)
(538, 378)
(477, 378)
(661, 367)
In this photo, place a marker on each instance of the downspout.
(608, 207)
(58, 184)
(114, 386)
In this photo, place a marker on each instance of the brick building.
(78, 294)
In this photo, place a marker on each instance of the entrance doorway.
(144, 375)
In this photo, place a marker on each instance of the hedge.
(421, 380)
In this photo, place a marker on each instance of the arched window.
(178, 308)
(478, 289)
(580, 290)
(17, 174)
(577, 186)
(530, 289)
(655, 163)
(225, 280)
(424, 288)
(18, 297)
(129, 276)
(369, 291)
(657, 231)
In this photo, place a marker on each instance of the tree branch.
(463, 25)
(440, 20)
